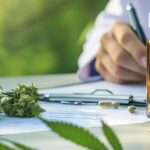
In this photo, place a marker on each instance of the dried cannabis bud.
(21, 102)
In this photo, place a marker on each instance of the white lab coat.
(114, 11)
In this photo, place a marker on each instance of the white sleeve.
(115, 10)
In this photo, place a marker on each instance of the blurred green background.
(41, 36)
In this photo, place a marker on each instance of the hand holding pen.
(122, 55)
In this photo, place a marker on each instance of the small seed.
(131, 109)
(109, 104)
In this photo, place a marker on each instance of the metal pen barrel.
(135, 24)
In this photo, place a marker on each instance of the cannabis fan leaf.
(111, 137)
(17, 145)
(75, 134)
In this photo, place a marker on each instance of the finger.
(99, 57)
(121, 73)
(103, 71)
(119, 55)
(106, 75)
(129, 41)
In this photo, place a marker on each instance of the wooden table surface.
(133, 137)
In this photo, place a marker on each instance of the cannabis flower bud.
(21, 102)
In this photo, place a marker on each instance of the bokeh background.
(43, 36)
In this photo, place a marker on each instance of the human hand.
(122, 57)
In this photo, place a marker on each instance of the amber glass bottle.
(148, 79)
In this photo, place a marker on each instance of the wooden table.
(133, 137)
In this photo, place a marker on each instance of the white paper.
(128, 89)
(81, 115)
(12, 125)
(91, 115)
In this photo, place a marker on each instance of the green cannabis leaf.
(21, 102)
(75, 134)
(111, 137)
(4, 147)
(18, 145)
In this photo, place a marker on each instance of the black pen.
(135, 23)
